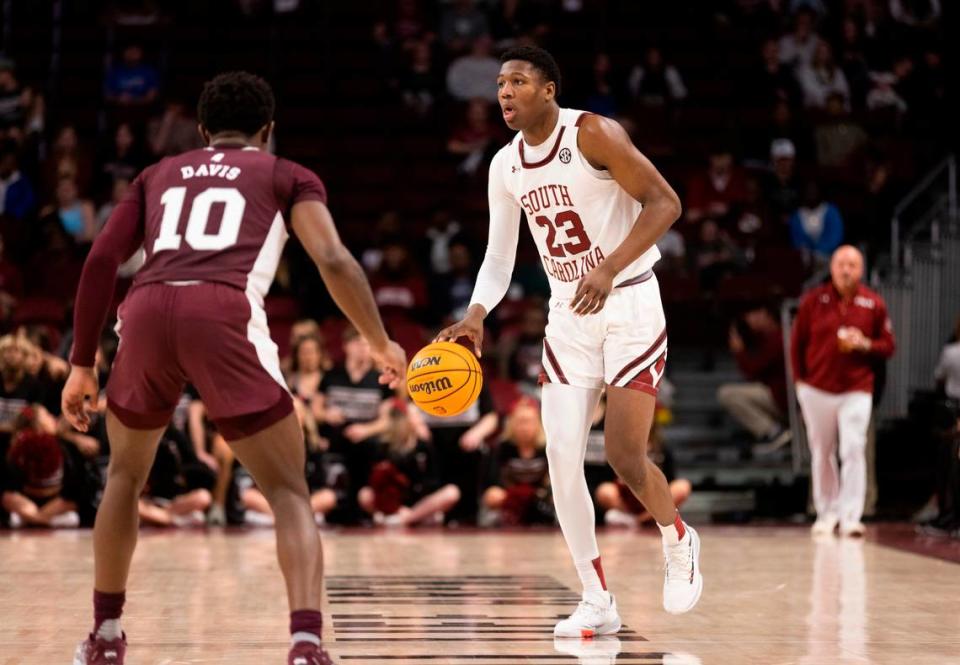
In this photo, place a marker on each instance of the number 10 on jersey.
(196, 230)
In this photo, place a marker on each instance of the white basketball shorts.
(624, 344)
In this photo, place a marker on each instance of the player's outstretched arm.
(347, 283)
(606, 145)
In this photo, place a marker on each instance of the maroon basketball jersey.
(220, 214)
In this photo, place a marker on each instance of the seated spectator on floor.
(619, 505)
(309, 362)
(476, 138)
(759, 405)
(947, 372)
(715, 192)
(816, 227)
(474, 76)
(404, 488)
(838, 137)
(177, 492)
(327, 478)
(781, 186)
(519, 491)
(655, 82)
(43, 487)
(798, 46)
(19, 390)
(131, 82)
(419, 81)
(822, 78)
(397, 284)
(461, 24)
(17, 197)
(173, 132)
(72, 212)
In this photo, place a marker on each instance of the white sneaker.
(852, 529)
(590, 620)
(682, 581)
(614, 517)
(599, 651)
(216, 516)
(824, 525)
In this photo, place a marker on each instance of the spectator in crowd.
(838, 137)
(816, 227)
(459, 444)
(602, 96)
(673, 253)
(123, 159)
(68, 159)
(853, 62)
(43, 487)
(309, 362)
(118, 189)
(131, 82)
(21, 107)
(17, 198)
(256, 508)
(405, 488)
(11, 279)
(717, 191)
(419, 81)
(397, 285)
(883, 93)
(760, 404)
(327, 478)
(177, 492)
(714, 255)
(19, 390)
(821, 78)
(619, 505)
(782, 187)
(771, 80)
(352, 409)
(521, 351)
(474, 75)
(917, 14)
(841, 329)
(74, 214)
(174, 131)
(462, 24)
(797, 47)
(947, 372)
(476, 138)
(655, 82)
(457, 283)
(519, 491)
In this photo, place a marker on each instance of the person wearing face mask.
(841, 329)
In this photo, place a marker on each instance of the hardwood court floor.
(772, 596)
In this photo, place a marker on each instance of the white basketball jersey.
(577, 214)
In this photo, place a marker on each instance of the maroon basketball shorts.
(209, 334)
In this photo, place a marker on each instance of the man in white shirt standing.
(595, 207)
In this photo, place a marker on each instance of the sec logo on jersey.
(565, 156)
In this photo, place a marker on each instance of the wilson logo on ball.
(430, 387)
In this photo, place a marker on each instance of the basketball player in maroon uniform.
(213, 223)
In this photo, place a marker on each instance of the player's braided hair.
(539, 58)
(235, 102)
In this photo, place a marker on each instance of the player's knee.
(127, 477)
(630, 466)
(366, 499)
(494, 497)
(202, 499)
(451, 494)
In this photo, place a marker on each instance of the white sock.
(593, 590)
(110, 630)
(671, 536)
(304, 637)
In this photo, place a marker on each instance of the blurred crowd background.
(788, 127)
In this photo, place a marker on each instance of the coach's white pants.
(837, 492)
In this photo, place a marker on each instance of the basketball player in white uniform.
(595, 207)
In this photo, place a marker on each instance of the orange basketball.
(444, 379)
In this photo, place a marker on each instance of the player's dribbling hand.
(470, 327)
(593, 290)
(392, 363)
(79, 397)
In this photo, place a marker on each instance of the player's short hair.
(541, 60)
(236, 102)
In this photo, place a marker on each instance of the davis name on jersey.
(577, 214)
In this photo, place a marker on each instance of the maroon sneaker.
(98, 651)
(307, 653)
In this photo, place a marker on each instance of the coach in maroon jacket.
(840, 330)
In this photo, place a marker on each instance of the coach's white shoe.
(852, 529)
(682, 581)
(824, 525)
(590, 620)
(599, 651)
